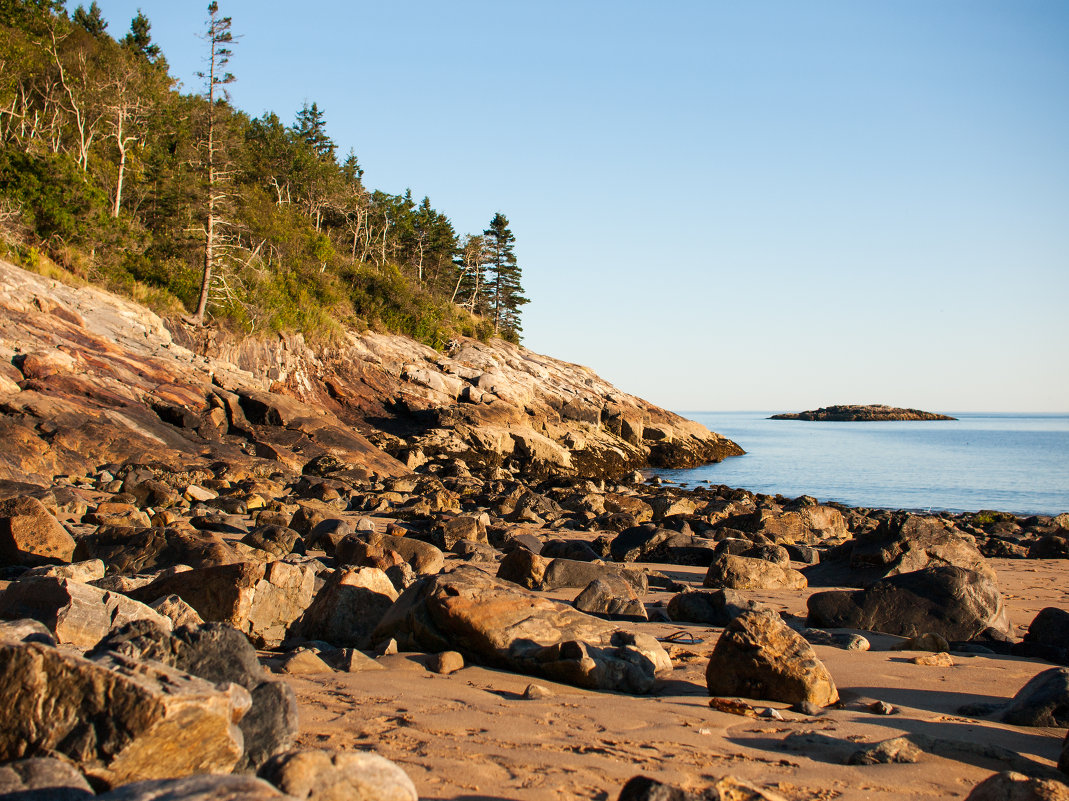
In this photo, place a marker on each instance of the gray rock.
(898, 749)
(43, 779)
(710, 607)
(324, 775)
(610, 597)
(747, 573)
(198, 788)
(1043, 701)
(348, 608)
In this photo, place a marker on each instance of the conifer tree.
(505, 287)
(91, 20)
(139, 39)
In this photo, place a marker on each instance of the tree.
(139, 40)
(218, 37)
(90, 20)
(506, 291)
(312, 128)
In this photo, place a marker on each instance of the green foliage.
(109, 169)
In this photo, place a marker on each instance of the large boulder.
(220, 654)
(759, 656)
(348, 608)
(130, 550)
(904, 543)
(198, 788)
(118, 719)
(496, 623)
(955, 603)
(634, 543)
(1047, 637)
(260, 600)
(314, 774)
(77, 614)
(710, 607)
(1043, 701)
(1010, 786)
(748, 573)
(30, 535)
(571, 573)
(611, 597)
(41, 778)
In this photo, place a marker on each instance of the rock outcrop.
(862, 413)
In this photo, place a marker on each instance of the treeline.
(187, 202)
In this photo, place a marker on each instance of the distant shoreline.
(870, 413)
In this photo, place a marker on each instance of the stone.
(220, 654)
(41, 778)
(632, 544)
(941, 659)
(759, 656)
(260, 600)
(1010, 786)
(279, 541)
(905, 543)
(318, 775)
(839, 639)
(446, 662)
(747, 573)
(897, 749)
(562, 573)
(524, 567)
(882, 708)
(710, 607)
(130, 550)
(118, 514)
(1063, 761)
(180, 613)
(612, 598)
(956, 604)
(302, 661)
(923, 642)
(537, 692)
(198, 788)
(26, 630)
(726, 788)
(77, 614)
(30, 535)
(1043, 701)
(350, 660)
(451, 530)
(576, 550)
(118, 719)
(82, 572)
(348, 608)
(496, 623)
(1048, 636)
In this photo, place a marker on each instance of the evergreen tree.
(505, 288)
(139, 39)
(312, 128)
(90, 20)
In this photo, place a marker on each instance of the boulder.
(1048, 636)
(493, 622)
(710, 607)
(82, 572)
(279, 541)
(759, 656)
(41, 778)
(955, 603)
(1009, 786)
(219, 654)
(524, 567)
(632, 544)
(748, 573)
(570, 573)
(119, 720)
(904, 543)
(1043, 701)
(325, 775)
(610, 597)
(576, 550)
(77, 614)
(726, 788)
(448, 531)
(348, 608)
(129, 550)
(180, 613)
(260, 600)
(26, 630)
(30, 535)
(198, 788)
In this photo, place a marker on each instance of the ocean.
(1008, 462)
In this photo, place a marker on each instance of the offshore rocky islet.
(378, 495)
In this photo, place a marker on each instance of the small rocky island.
(862, 413)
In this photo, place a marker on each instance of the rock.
(128, 550)
(78, 614)
(634, 543)
(746, 573)
(198, 788)
(180, 613)
(496, 623)
(570, 573)
(882, 708)
(861, 412)
(260, 600)
(29, 535)
(26, 630)
(576, 550)
(82, 572)
(759, 656)
(446, 662)
(118, 719)
(934, 660)
(424, 558)
(451, 530)
(1010, 786)
(302, 661)
(524, 567)
(612, 598)
(279, 541)
(727, 788)
(905, 543)
(328, 775)
(711, 607)
(1063, 761)
(898, 749)
(220, 654)
(350, 660)
(1043, 701)
(955, 603)
(1048, 636)
(42, 778)
(1051, 546)
(537, 692)
(348, 608)
(641, 788)
(845, 640)
(923, 642)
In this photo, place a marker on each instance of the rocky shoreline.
(861, 413)
(183, 544)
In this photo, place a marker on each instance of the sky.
(717, 205)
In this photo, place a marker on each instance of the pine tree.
(312, 128)
(90, 20)
(139, 39)
(505, 288)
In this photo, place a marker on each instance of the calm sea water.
(1009, 462)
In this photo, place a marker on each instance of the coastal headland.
(861, 413)
(258, 568)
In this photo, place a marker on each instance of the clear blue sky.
(718, 204)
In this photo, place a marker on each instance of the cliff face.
(88, 378)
